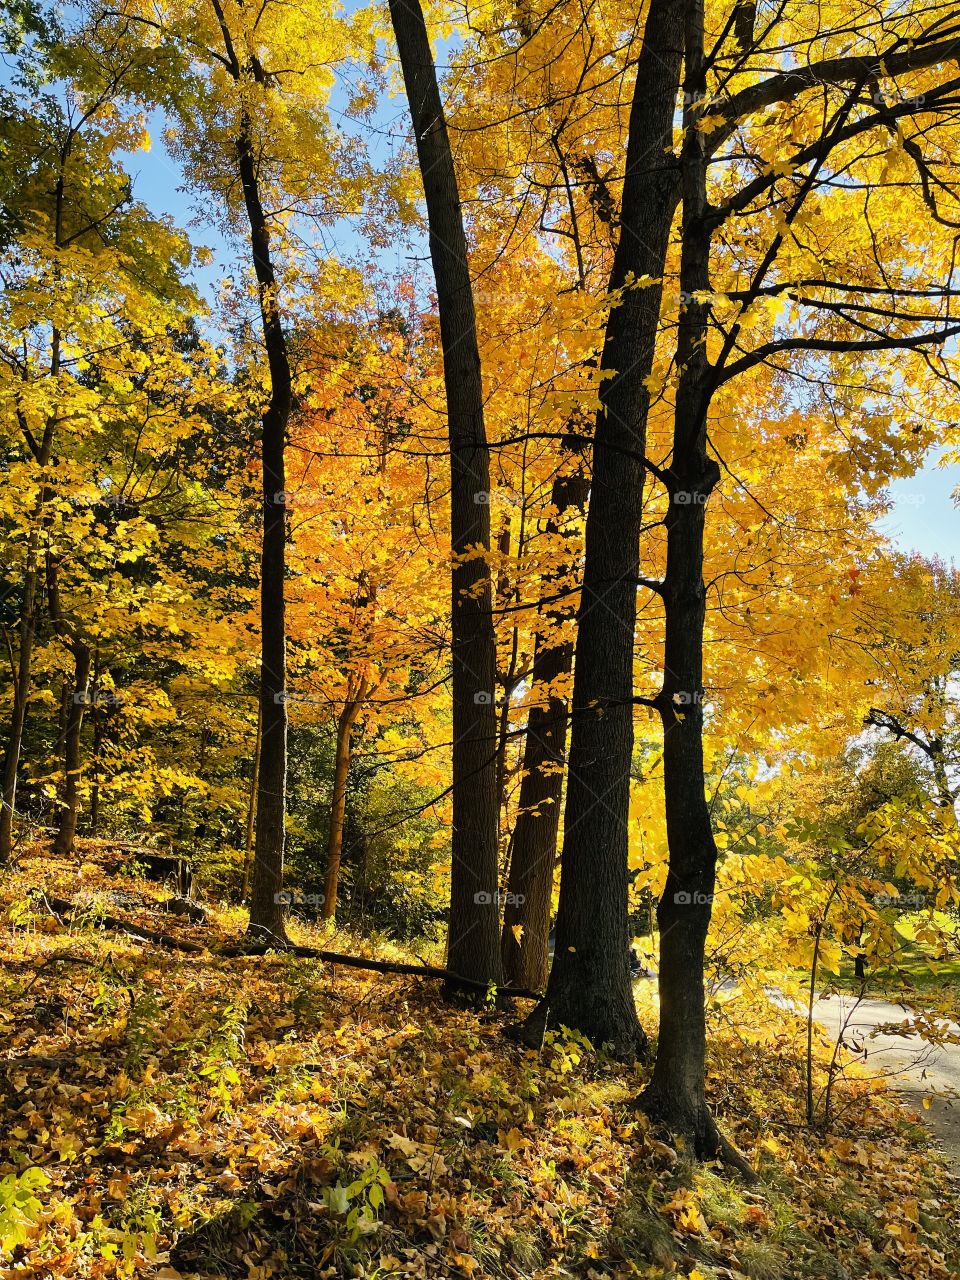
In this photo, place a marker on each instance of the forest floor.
(176, 1114)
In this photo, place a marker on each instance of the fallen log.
(376, 966)
(27, 1060)
(61, 909)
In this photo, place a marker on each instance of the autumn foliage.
(456, 535)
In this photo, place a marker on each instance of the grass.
(918, 971)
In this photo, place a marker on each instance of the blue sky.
(923, 517)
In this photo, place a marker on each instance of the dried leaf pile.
(169, 1114)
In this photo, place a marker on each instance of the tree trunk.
(526, 916)
(590, 986)
(41, 452)
(252, 809)
(75, 701)
(266, 907)
(67, 823)
(338, 804)
(676, 1092)
(96, 715)
(508, 680)
(21, 694)
(473, 947)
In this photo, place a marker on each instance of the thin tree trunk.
(509, 680)
(67, 823)
(96, 715)
(338, 805)
(266, 907)
(473, 946)
(28, 626)
(252, 809)
(75, 703)
(590, 986)
(28, 618)
(676, 1091)
(21, 694)
(526, 918)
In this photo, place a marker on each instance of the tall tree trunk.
(338, 804)
(524, 943)
(70, 806)
(41, 452)
(252, 808)
(590, 986)
(75, 703)
(28, 616)
(96, 715)
(21, 694)
(676, 1091)
(473, 946)
(508, 679)
(266, 908)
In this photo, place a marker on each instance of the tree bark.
(676, 1092)
(266, 907)
(72, 761)
(96, 715)
(590, 986)
(75, 703)
(526, 916)
(21, 694)
(252, 809)
(473, 946)
(338, 804)
(28, 618)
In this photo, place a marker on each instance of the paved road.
(913, 1068)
